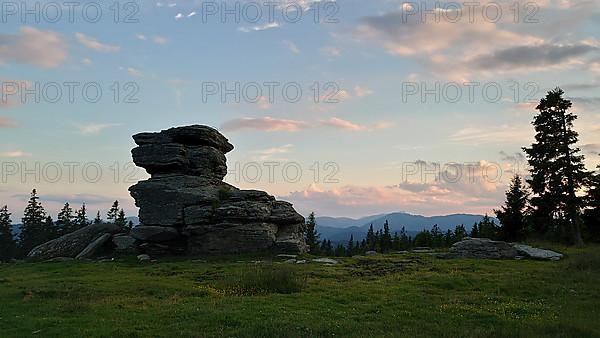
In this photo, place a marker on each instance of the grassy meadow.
(396, 295)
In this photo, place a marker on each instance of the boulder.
(186, 195)
(483, 248)
(73, 244)
(325, 260)
(93, 247)
(371, 253)
(154, 233)
(124, 242)
(143, 258)
(535, 253)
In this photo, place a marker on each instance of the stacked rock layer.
(187, 199)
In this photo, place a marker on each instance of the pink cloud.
(45, 49)
(342, 124)
(264, 123)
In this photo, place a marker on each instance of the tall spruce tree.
(8, 246)
(98, 219)
(386, 238)
(64, 220)
(34, 221)
(81, 220)
(513, 213)
(113, 212)
(312, 236)
(557, 168)
(121, 219)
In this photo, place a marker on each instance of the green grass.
(386, 296)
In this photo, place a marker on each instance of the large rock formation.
(186, 202)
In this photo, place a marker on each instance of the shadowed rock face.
(186, 193)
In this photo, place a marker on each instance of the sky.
(345, 108)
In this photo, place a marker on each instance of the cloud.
(94, 44)
(264, 27)
(86, 61)
(264, 123)
(5, 122)
(338, 123)
(331, 51)
(591, 148)
(493, 134)
(538, 56)
(159, 40)
(45, 49)
(271, 153)
(426, 199)
(94, 129)
(512, 158)
(134, 72)
(14, 154)
(362, 91)
(291, 46)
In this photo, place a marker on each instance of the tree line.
(558, 201)
(38, 227)
(383, 241)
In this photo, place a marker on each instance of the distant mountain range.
(339, 229)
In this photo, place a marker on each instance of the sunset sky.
(371, 55)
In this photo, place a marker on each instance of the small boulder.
(325, 260)
(371, 253)
(143, 258)
(154, 233)
(536, 253)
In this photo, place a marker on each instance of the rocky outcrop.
(73, 244)
(488, 249)
(186, 203)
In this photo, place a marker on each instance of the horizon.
(377, 128)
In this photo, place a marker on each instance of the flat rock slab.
(93, 247)
(483, 248)
(72, 244)
(325, 260)
(154, 233)
(124, 242)
(536, 253)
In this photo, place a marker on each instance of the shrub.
(264, 279)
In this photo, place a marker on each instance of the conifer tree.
(113, 212)
(557, 168)
(386, 238)
(350, 246)
(121, 219)
(98, 219)
(512, 216)
(474, 231)
(487, 228)
(371, 239)
(64, 220)
(8, 246)
(312, 236)
(81, 220)
(459, 233)
(33, 231)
